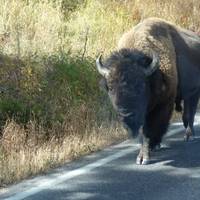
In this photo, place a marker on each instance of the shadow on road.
(174, 174)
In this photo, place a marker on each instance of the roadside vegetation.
(51, 108)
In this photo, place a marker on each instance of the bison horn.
(101, 69)
(153, 66)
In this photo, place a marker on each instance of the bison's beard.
(132, 126)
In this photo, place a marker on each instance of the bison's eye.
(110, 89)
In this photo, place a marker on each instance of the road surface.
(174, 174)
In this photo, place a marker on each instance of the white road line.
(49, 182)
(45, 183)
(174, 131)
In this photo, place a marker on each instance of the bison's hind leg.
(178, 106)
(190, 107)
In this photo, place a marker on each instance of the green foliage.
(69, 82)
(10, 107)
(63, 84)
(14, 108)
(48, 51)
(79, 77)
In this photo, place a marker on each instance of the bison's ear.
(101, 69)
(150, 64)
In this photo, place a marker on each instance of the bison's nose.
(122, 116)
(125, 113)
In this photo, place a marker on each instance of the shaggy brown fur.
(154, 34)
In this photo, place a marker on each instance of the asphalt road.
(174, 174)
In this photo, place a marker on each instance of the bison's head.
(126, 75)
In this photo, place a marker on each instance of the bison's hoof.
(188, 138)
(138, 160)
(189, 135)
(145, 161)
(141, 161)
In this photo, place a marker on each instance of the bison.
(156, 65)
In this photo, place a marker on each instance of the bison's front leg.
(155, 127)
(143, 157)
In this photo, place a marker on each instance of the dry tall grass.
(32, 34)
(182, 12)
(29, 28)
(26, 152)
